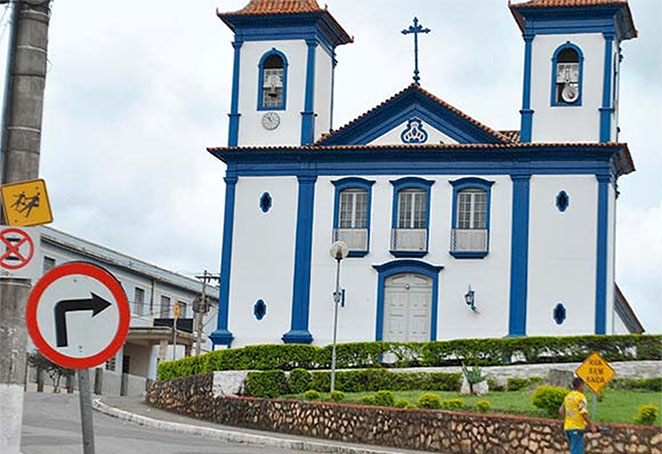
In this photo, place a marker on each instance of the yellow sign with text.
(26, 203)
(177, 310)
(596, 372)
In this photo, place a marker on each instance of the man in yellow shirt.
(575, 412)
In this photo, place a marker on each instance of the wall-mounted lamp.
(470, 299)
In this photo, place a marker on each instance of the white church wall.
(262, 259)
(567, 123)
(618, 327)
(562, 251)
(393, 136)
(357, 320)
(322, 103)
(251, 131)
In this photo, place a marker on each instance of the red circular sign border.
(16, 230)
(110, 282)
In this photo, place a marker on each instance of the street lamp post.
(339, 251)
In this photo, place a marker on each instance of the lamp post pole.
(339, 251)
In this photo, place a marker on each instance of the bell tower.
(572, 62)
(283, 73)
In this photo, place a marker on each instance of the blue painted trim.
(353, 183)
(601, 261)
(308, 114)
(607, 109)
(222, 336)
(519, 255)
(526, 127)
(419, 126)
(472, 183)
(299, 333)
(406, 266)
(562, 201)
(578, 102)
(411, 183)
(233, 134)
(260, 66)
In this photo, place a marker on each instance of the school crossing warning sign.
(26, 203)
(596, 372)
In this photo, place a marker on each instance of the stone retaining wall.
(441, 431)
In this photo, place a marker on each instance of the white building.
(152, 293)
(431, 202)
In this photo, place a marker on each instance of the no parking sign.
(19, 256)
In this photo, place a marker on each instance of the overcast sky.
(137, 89)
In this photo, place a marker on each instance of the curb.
(231, 436)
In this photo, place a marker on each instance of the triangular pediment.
(413, 116)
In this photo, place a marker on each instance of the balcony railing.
(355, 239)
(469, 240)
(409, 240)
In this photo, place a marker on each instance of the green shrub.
(367, 355)
(368, 400)
(311, 394)
(267, 384)
(642, 384)
(337, 396)
(516, 384)
(376, 379)
(452, 404)
(401, 403)
(429, 400)
(494, 384)
(483, 406)
(647, 415)
(299, 380)
(384, 398)
(410, 406)
(549, 398)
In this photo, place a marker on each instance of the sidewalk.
(133, 409)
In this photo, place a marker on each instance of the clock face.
(270, 121)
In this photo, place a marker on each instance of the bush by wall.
(363, 355)
(269, 384)
(311, 394)
(643, 384)
(549, 398)
(515, 384)
(376, 379)
(483, 406)
(385, 398)
(299, 380)
(429, 400)
(452, 404)
(337, 396)
(647, 415)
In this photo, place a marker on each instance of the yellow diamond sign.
(26, 203)
(596, 372)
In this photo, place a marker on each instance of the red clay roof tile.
(257, 7)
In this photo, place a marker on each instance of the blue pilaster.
(601, 264)
(526, 127)
(299, 333)
(308, 114)
(607, 109)
(233, 135)
(222, 336)
(519, 255)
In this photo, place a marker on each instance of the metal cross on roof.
(416, 29)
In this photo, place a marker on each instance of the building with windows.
(455, 229)
(152, 292)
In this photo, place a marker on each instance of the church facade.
(455, 230)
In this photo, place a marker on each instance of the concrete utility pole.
(200, 307)
(21, 141)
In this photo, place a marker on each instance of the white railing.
(469, 240)
(356, 239)
(409, 240)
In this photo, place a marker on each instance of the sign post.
(596, 373)
(78, 317)
(176, 311)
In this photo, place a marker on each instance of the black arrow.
(95, 303)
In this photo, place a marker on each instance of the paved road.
(51, 425)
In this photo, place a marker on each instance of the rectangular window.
(111, 364)
(353, 212)
(139, 301)
(472, 209)
(165, 306)
(49, 264)
(412, 209)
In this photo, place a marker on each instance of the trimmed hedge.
(365, 355)
(267, 384)
(641, 384)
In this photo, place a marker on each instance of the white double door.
(407, 308)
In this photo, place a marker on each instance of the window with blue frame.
(411, 217)
(272, 90)
(470, 233)
(567, 69)
(351, 220)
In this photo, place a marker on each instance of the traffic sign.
(176, 310)
(596, 372)
(26, 203)
(18, 252)
(78, 315)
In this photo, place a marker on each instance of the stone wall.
(441, 431)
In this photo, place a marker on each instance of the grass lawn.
(616, 407)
